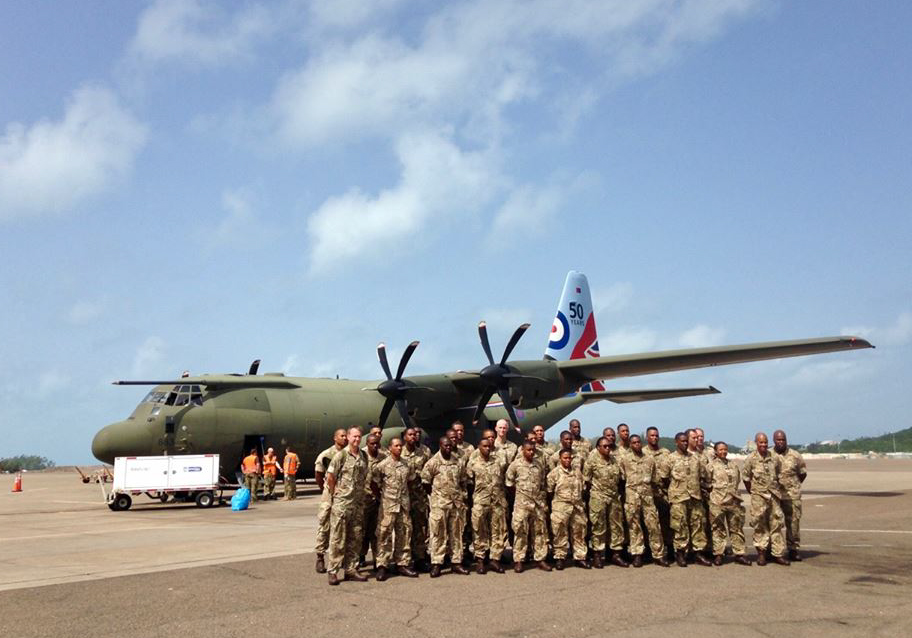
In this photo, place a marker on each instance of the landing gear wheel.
(121, 502)
(205, 499)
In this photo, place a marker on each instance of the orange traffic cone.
(17, 485)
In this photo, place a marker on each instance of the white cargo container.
(190, 477)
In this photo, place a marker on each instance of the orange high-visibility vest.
(291, 464)
(269, 465)
(250, 464)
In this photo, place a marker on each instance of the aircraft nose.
(123, 438)
(101, 445)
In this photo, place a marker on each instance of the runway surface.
(72, 567)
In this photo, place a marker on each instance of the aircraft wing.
(633, 396)
(613, 367)
(223, 382)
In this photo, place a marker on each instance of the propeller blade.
(254, 367)
(381, 353)
(405, 359)
(403, 412)
(384, 413)
(513, 341)
(485, 344)
(482, 403)
(504, 394)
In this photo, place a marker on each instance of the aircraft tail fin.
(573, 334)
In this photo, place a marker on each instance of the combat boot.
(598, 561)
(761, 557)
(355, 576)
(321, 566)
(544, 566)
(681, 558)
(795, 556)
(435, 570)
(637, 560)
(495, 566)
(742, 560)
(381, 574)
(617, 560)
(518, 567)
(781, 560)
(583, 564)
(700, 559)
(559, 564)
(459, 569)
(717, 560)
(333, 579)
(662, 561)
(480, 566)
(403, 570)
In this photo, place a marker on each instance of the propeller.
(394, 388)
(497, 376)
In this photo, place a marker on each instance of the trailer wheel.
(205, 499)
(121, 502)
(163, 497)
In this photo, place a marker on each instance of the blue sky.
(192, 185)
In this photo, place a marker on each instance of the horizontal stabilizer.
(226, 382)
(613, 367)
(634, 396)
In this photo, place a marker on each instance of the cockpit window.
(155, 397)
(185, 395)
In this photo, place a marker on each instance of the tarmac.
(71, 567)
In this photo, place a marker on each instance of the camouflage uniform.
(346, 518)
(466, 450)
(762, 472)
(582, 446)
(792, 470)
(639, 473)
(371, 508)
(394, 524)
(528, 508)
(725, 507)
(447, 480)
(568, 516)
(605, 512)
(489, 507)
(660, 494)
(507, 450)
(707, 455)
(576, 461)
(687, 471)
(322, 465)
(419, 507)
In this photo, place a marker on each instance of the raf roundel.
(560, 332)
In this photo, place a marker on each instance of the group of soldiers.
(577, 504)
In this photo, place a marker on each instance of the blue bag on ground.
(240, 500)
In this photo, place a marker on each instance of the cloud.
(826, 372)
(701, 336)
(148, 356)
(613, 298)
(438, 179)
(349, 13)
(897, 334)
(84, 312)
(199, 33)
(627, 340)
(240, 227)
(51, 166)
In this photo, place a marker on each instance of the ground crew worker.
(684, 472)
(726, 512)
(489, 507)
(345, 479)
(502, 445)
(250, 466)
(444, 478)
(568, 515)
(792, 472)
(340, 440)
(603, 474)
(659, 493)
(270, 467)
(761, 478)
(580, 445)
(390, 479)
(416, 455)
(371, 501)
(290, 471)
(638, 471)
(527, 478)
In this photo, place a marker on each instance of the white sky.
(192, 185)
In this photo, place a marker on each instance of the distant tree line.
(899, 441)
(25, 462)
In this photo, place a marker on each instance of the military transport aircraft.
(230, 414)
